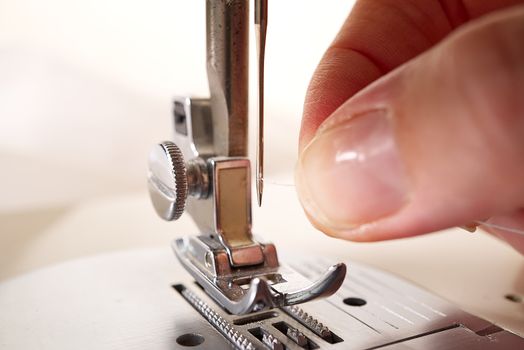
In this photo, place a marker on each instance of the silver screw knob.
(167, 180)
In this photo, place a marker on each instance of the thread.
(500, 227)
(279, 184)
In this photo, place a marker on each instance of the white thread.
(499, 227)
(279, 184)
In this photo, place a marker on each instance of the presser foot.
(246, 289)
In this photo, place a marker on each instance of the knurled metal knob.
(167, 180)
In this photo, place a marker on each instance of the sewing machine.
(227, 288)
(242, 290)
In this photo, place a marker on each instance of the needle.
(260, 33)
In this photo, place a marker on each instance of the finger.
(377, 37)
(436, 143)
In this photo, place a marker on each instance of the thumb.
(438, 142)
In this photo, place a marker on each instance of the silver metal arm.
(227, 29)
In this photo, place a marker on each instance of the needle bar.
(260, 33)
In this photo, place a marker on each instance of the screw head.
(167, 180)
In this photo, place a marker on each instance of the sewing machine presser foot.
(251, 289)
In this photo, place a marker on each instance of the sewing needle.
(260, 33)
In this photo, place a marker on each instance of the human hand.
(414, 121)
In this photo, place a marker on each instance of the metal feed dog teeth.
(272, 342)
(226, 328)
(312, 323)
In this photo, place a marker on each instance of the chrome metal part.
(272, 342)
(308, 321)
(243, 289)
(193, 128)
(214, 183)
(227, 28)
(299, 291)
(171, 180)
(167, 180)
(297, 336)
(260, 34)
(198, 182)
(226, 328)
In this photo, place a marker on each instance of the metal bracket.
(214, 186)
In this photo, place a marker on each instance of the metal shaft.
(227, 70)
(260, 32)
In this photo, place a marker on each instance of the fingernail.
(351, 172)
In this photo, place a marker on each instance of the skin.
(401, 55)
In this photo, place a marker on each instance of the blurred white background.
(86, 89)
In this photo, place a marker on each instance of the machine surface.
(144, 300)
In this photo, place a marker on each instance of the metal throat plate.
(372, 310)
